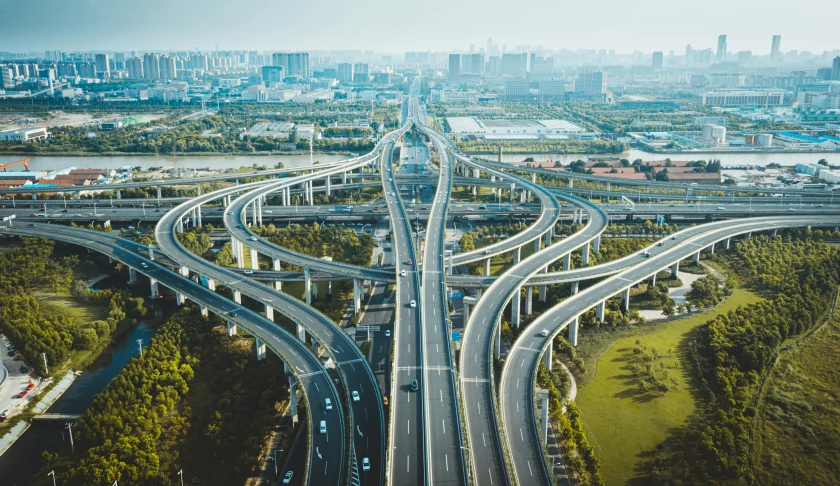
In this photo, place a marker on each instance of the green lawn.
(623, 423)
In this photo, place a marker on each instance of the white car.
(413, 303)
(355, 396)
(366, 464)
(253, 238)
(268, 211)
(327, 404)
(288, 477)
(402, 273)
(387, 333)
(544, 333)
(248, 272)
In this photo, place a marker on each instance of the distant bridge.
(56, 417)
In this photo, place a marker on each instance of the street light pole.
(69, 426)
(140, 346)
(46, 368)
(181, 473)
(276, 474)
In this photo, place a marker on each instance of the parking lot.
(13, 380)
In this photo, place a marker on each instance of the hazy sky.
(399, 25)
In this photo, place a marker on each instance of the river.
(727, 159)
(213, 162)
(23, 459)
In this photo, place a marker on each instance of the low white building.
(24, 135)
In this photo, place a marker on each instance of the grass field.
(623, 423)
(797, 431)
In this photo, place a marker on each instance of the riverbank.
(28, 153)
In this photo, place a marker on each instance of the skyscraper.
(102, 66)
(361, 72)
(151, 65)
(657, 60)
(168, 68)
(6, 77)
(591, 82)
(294, 63)
(477, 63)
(135, 67)
(835, 69)
(775, 49)
(454, 66)
(515, 65)
(344, 72)
(721, 49)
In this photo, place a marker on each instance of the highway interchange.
(445, 422)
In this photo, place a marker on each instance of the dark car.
(414, 385)
(233, 313)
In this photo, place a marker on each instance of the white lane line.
(441, 397)
(517, 383)
(529, 468)
(484, 439)
(478, 337)
(407, 463)
(491, 476)
(517, 406)
(408, 427)
(521, 435)
(443, 424)
(447, 462)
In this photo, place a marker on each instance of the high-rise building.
(344, 72)
(744, 58)
(86, 69)
(552, 89)
(102, 66)
(466, 63)
(135, 67)
(361, 72)
(721, 48)
(54, 56)
(477, 63)
(151, 65)
(516, 89)
(835, 69)
(775, 49)
(272, 74)
(168, 68)
(657, 60)
(6, 77)
(515, 64)
(494, 65)
(591, 82)
(294, 63)
(454, 66)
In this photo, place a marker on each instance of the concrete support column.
(571, 183)
(609, 188)
(728, 241)
(269, 313)
(493, 189)
(344, 177)
(307, 284)
(547, 356)
(132, 276)
(573, 332)
(584, 256)
(179, 298)
(543, 292)
(198, 215)
(487, 267)
(311, 194)
(204, 312)
(512, 192)
(567, 262)
(575, 287)
(529, 300)
(596, 244)
(497, 349)
(327, 185)
(184, 271)
(301, 333)
(466, 311)
(231, 329)
(652, 280)
(625, 299)
(154, 289)
(514, 308)
(79, 194)
(180, 227)
(696, 257)
(712, 248)
(599, 311)
(749, 235)
(211, 284)
(278, 285)
(329, 288)
(260, 349)
(315, 290)
(260, 210)
(674, 269)
(517, 254)
(198, 189)
(158, 192)
(775, 232)
(119, 194)
(357, 295)
(255, 261)
(237, 296)
(151, 253)
(293, 402)
(536, 245)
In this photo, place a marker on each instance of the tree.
(668, 311)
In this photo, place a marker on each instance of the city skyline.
(162, 26)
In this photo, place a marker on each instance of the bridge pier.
(293, 402)
(674, 269)
(237, 296)
(575, 287)
(497, 348)
(584, 256)
(571, 183)
(197, 189)
(493, 189)
(652, 280)
(599, 311)
(301, 333)
(547, 355)
(198, 215)
(573, 332)
(357, 296)
(327, 186)
(154, 289)
(696, 257)
(269, 313)
(119, 194)
(529, 300)
(151, 252)
(517, 254)
(79, 194)
(278, 284)
(567, 262)
(543, 292)
(465, 308)
(514, 307)
(132, 276)
(344, 177)
(179, 298)
(487, 267)
(307, 284)
(211, 284)
(775, 232)
(315, 290)
(596, 244)
(512, 192)
(180, 227)
(544, 399)
(712, 248)
(727, 243)
(260, 349)
(204, 311)
(625, 299)
(255, 261)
